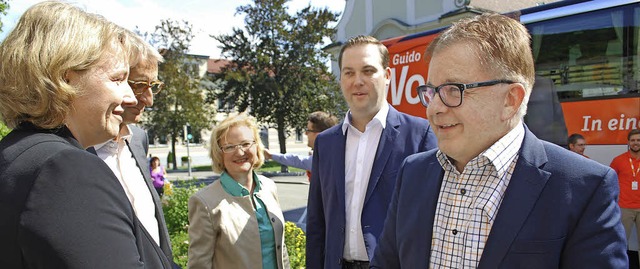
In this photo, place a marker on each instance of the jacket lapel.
(525, 186)
(140, 154)
(339, 141)
(385, 147)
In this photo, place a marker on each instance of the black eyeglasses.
(244, 146)
(451, 93)
(139, 87)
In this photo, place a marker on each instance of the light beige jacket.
(223, 229)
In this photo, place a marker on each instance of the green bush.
(176, 215)
(296, 243)
(180, 248)
(175, 208)
(4, 130)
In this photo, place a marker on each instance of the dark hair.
(632, 132)
(364, 40)
(573, 138)
(322, 120)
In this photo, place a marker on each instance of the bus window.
(632, 80)
(582, 54)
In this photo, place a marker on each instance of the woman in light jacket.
(236, 221)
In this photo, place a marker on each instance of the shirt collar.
(236, 189)
(380, 117)
(500, 154)
(125, 134)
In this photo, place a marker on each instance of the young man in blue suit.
(355, 163)
(493, 195)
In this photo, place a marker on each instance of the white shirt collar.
(125, 134)
(380, 117)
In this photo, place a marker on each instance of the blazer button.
(278, 247)
(273, 219)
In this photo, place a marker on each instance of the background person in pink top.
(158, 174)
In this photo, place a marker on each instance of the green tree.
(4, 5)
(277, 66)
(182, 101)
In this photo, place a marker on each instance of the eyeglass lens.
(244, 146)
(450, 94)
(139, 87)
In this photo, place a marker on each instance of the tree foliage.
(4, 130)
(4, 5)
(182, 100)
(277, 67)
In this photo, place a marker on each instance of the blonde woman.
(63, 88)
(236, 221)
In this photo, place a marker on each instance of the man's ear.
(387, 76)
(513, 100)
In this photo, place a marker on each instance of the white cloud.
(207, 17)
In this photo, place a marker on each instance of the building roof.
(214, 66)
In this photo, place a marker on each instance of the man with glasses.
(494, 195)
(577, 144)
(126, 154)
(316, 123)
(355, 163)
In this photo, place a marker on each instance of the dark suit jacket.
(559, 211)
(139, 147)
(62, 207)
(403, 135)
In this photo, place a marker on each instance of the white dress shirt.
(117, 155)
(360, 153)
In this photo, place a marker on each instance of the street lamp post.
(187, 137)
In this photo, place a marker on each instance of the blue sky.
(209, 17)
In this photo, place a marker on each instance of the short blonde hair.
(221, 130)
(502, 44)
(50, 39)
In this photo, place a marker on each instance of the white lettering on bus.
(595, 124)
(406, 58)
(397, 88)
(621, 124)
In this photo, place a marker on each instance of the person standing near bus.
(577, 144)
(355, 163)
(317, 122)
(627, 166)
(494, 195)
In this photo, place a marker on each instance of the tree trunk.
(173, 150)
(282, 140)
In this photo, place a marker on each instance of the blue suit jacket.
(403, 135)
(559, 211)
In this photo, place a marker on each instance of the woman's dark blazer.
(62, 207)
